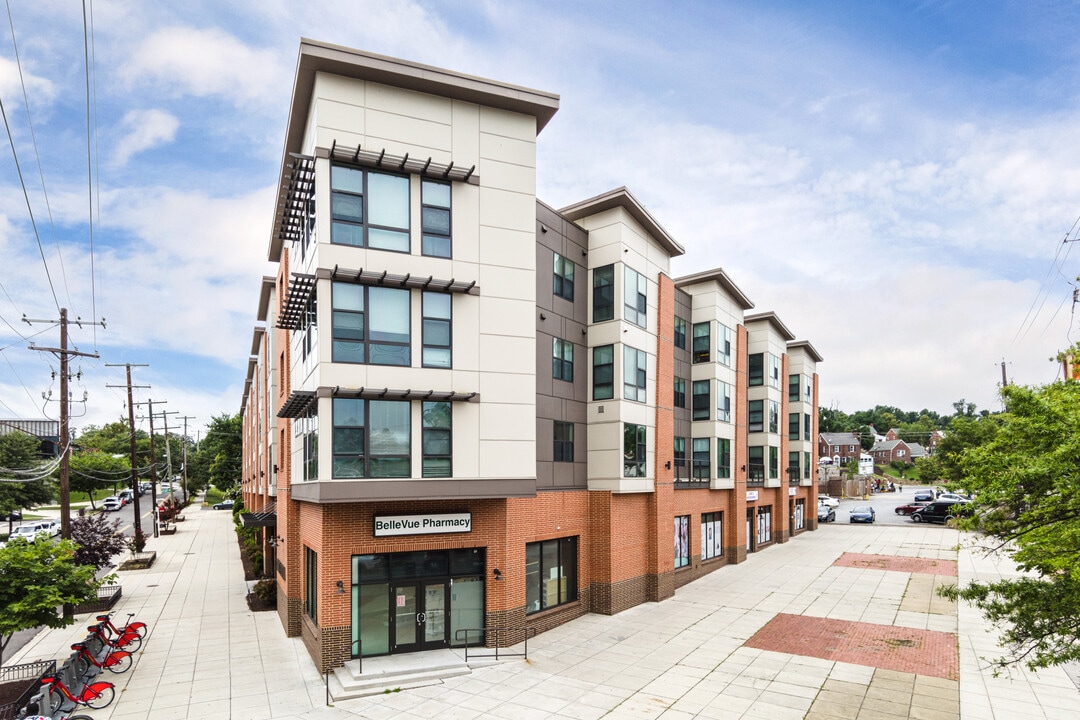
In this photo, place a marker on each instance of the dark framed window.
(800, 514)
(309, 328)
(437, 439)
(562, 360)
(371, 325)
(371, 438)
(680, 392)
(806, 465)
(563, 279)
(635, 296)
(774, 462)
(794, 467)
(755, 369)
(700, 352)
(369, 209)
(551, 572)
(311, 584)
(808, 389)
(793, 388)
(774, 417)
(774, 371)
(723, 458)
(755, 416)
(701, 459)
(682, 540)
(309, 429)
(679, 451)
(564, 441)
(435, 218)
(755, 464)
(634, 450)
(603, 294)
(680, 333)
(723, 344)
(764, 524)
(712, 535)
(634, 372)
(437, 330)
(794, 428)
(723, 401)
(603, 372)
(806, 426)
(702, 408)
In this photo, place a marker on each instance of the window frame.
(700, 453)
(755, 416)
(635, 450)
(609, 370)
(366, 456)
(566, 573)
(603, 299)
(562, 360)
(679, 393)
(636, 289)
(562, 446)
(774, 371)
(679, 333)
(427, 319)
(364, 223)
(701, 344)
(365, 341)
(427, 234)
(635, 368)
(562, 282)
(723, 458)
(701, 400)
(311, 584)
(774, 417)
(794, 426)
(755, 369)
(755, 471)
(682, 541)
(723, 401)
(427, 431)
(724, 337)
(774, 462)
(712, 526)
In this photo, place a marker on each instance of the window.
(603, 297)
(437, 440)
(806, 465)
(774, 462)
(371, 438)
(562, 360)
(680, 333)
(793, 429)
(369, 209)
(701, 459)
(755, 416)
(764, 524)
(808, 390)
(712, 535)
(370, 325)
(806, 426)
(563, 280)
(564, 441)
(700, 352)
(774, 417)
(774, 371)
(634, 366)
(723, 458)
(800, 514)
(435, 218)
(680, 392)
(633, 450)
(755, 464)
(723, 344)
(679, 450)
(603, 372)
(311, 584)
(436, 330)
(794, 466)
(682, 540)
(793, 388)
(550, 574)
(701, 400)
(309, 429)
(723, 401)
(309, 327)
(635, 297)
(756, 369)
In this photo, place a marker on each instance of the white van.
(33, 530)
(111, 504)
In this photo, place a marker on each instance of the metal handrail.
(463, 634)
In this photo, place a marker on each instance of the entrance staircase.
(399, 672)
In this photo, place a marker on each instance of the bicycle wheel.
(118, 662)
(97, 695)
(79, 717)
(139, 628)
(129, 641)
(53, 701)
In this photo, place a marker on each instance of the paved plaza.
(843, 622)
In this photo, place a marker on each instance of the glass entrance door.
(419, 616)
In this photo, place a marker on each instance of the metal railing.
(497, 636)
(30, 672)
(692, 471)
(357, 645)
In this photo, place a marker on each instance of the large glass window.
(435, 218)
(603, 372)
(793, 426)
(371, 438)
(680, 392)
(755, 464)
(764, 524)
(551, 570)
(723, 401)
(369, 209)
(723, 458)
(774, 462)
(806, 426)
(564, 441)
(635, 296)
(806, 465)
(682, 540)
(774, 417)
(793, 388)
(701, 459)
(311, 584)
(680, 333)
(702, 407)
(774, 371)
(370, 325)
(562, 360)
(634, 449)
(437, 309)
(563, 280)
(712, 535)
(309, 429)
(700, 352)
(603, 297)
(634, 368)
(755, 369)
(755, 417)
(679, 451)
(309, 328)
(723, 344)
(808, 390)
(437, 440)
(794, 467)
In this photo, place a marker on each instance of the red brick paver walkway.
(897, 564)
(924, 652)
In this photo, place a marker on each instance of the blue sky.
(894, 179)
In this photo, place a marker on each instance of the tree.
(220, 452)
(1026, 480)
(36, 579)
(20, 451)
(97, 539)
(92, 471)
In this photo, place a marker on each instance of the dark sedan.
(826, 514)
(224, 505)
(861, 514)
(910, 508)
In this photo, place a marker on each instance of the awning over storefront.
(264, 517)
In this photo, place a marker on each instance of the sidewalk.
(718, 649)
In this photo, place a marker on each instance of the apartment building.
(466, 409)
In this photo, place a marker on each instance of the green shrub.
(266, 590)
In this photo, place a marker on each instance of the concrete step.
(396, 672)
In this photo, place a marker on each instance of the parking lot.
(884, 505)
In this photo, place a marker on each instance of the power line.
(90, 130)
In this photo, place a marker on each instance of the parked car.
(825, 513)
(830, 501)
(861, 514)
(910, 507)
(15, 517)
(924, 496)
(224, 505)
(955, 497)
(33, 530)
(111, 504)
(126, 496)
(54, 527)
(940, 511)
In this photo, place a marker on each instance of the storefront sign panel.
(387, 525)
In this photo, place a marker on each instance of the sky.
(898, 181)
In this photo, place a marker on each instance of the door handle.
(420, 617)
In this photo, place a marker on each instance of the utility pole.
(153, 475)
(65, 436)
(131, 428)
(1004, 380)
(185, 418)
(168, 450)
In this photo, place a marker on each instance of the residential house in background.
(839, 447)
(890, 451)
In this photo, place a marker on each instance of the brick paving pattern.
(897, 564)
(907, 650)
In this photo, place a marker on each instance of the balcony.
(755, 475)
(691, 473)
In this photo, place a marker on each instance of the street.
(884, 505)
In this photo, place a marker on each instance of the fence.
(31, 673)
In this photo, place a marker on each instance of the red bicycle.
(139, 628)
(94, 695)
(117, 661)
(129, 640)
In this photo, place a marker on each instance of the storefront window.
(550, 574)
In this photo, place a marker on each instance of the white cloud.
(144, 129)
